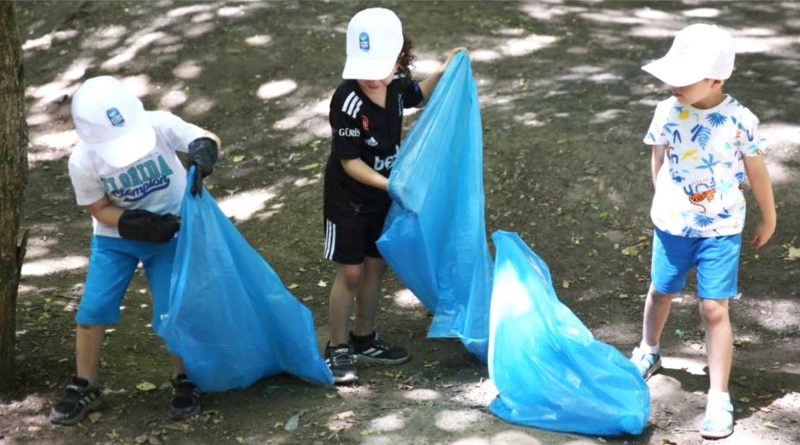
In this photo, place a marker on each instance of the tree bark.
(13, 176)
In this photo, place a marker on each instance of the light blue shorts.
(111, 266)
(716, 260)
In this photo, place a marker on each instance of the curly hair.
(406, 58)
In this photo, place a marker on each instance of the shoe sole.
(77, 419)
(715, 435)
(344, 380)
(652, 370)
(382, 361)
(184, 416)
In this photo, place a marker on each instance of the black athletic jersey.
(362, 129)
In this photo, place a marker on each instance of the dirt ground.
(564, 107)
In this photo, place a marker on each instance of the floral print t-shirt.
(698, 192)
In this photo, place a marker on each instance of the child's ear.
(717, 83)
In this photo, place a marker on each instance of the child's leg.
(717, 280)
(88, 341)
(111, 267)
(158, 260)
(367, 298)
(672, 258)
(719, 342)
(656, 312)
(344, 288)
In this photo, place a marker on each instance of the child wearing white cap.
(366, 115)
(125, 170)
(704, 144)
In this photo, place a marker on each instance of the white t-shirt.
(155, 182)
(698, 192)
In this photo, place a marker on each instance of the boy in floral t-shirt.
(704, 143)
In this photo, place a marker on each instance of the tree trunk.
(13, 175)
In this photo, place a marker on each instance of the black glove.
(141, 225)
(203, 153)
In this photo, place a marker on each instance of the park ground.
(564, 107)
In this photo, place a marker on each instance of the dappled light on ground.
(422, 394)
(458, 420)
(404, 298)
(242, 206)
(276, 88)
(55, 265)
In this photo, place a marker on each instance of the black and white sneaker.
(79, 399)
(371, 349)
(342, 362)
(186, 398)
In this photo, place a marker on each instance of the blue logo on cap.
(115, 117)
(363, 41)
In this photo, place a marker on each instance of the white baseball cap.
(111, 121)
(374, 41)
(698, 52)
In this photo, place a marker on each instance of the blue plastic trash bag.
(434, 237)
(549, 370)
(230, 318)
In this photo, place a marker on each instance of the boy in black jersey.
(366, 118)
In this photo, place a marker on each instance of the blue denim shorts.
(716, 260)
(111, 266)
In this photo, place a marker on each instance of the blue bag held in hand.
(231, 319)
(549, 370)
(434, 237)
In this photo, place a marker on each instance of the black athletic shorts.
(348, 239)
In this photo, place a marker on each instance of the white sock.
(719, 397)
(650, 349)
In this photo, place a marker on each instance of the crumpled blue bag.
(434, 237)
(230, 318)
(549, 370)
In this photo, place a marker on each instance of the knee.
(660, 298)
(350, 277)
(713, 312)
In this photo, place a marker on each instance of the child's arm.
(428, 85)
(362, 173)
(105, 212)
(214, 137)
(656, 161)
(758, 176)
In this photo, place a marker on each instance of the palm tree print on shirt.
(708, 163)
(716, 119)
(701, 134)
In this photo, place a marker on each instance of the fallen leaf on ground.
(146, 386)
(630, 251)
(345, 415)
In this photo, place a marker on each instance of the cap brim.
(368, 69)
(128, 148)
(675, 73)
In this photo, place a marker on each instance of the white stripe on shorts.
(330, 239)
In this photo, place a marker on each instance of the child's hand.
(763, 233)
(452, 54)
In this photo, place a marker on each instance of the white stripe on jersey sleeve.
(347, 101)
(355, 105)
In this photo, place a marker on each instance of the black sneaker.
(186, 397)
(371, 349)
(79, 399)
(342, 363)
